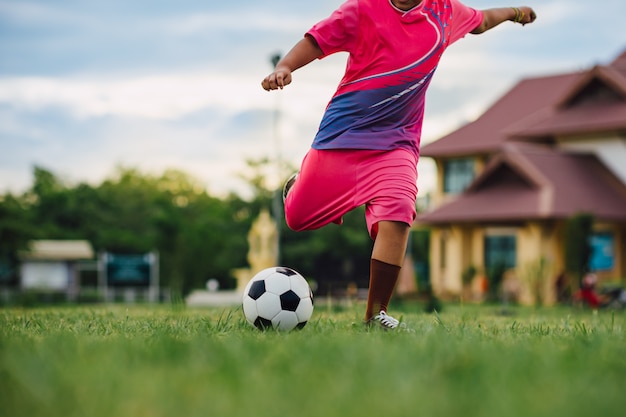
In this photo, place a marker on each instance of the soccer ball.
(278, 298)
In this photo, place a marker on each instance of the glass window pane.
(602, 252)
(500, 251)
(457, 175)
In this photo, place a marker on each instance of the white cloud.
(36, 13)
(185, 90)
(247, 20)
(143, 122)
(171, 96)
(166, 97)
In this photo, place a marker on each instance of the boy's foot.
(383, 320)
(288, 184)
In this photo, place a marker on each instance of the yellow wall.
(537, 263)
(540, 257)
(540, 252)
(438, 196)
(436, 281)
(450, 246)
(462, 247)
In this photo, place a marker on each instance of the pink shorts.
(334, 182)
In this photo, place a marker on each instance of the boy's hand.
(277, 79)
(526, 15)
(300, 55)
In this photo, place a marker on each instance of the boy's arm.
(301, 54)
(493, 17)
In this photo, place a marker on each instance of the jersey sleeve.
(337, 33)
(464, 20)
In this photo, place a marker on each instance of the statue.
(263, 252)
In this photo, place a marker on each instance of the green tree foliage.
(334, 255)
(578, 231)
(198, 236)
(495, 275)
(15, 231)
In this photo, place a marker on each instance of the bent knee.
(295, 224)
(300, 221)
(294, 220)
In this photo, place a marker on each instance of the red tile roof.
(539, 108)
(535, 182)
(525, 181)
(576, 120)
(529, 99)
(609, 75)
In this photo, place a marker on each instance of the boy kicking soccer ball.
(367, 146)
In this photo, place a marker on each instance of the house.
(551, 148)
(52, 266)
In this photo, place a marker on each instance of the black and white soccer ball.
(278, 298)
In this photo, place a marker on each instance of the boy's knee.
(295, 223)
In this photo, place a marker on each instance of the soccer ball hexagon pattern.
(278, 298)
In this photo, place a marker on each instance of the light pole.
(276, 200)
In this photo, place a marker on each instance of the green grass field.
(119, 361)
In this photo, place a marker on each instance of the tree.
(333, 256)
(198, 236)
(15, 232)
(578, 231)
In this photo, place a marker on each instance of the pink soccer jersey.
(379, 103)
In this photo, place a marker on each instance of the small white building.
(51, 266)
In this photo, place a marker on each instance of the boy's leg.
(387, 258)
(390, 183)
(323, 191)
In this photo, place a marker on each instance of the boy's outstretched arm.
(493, 17)
(301, 54)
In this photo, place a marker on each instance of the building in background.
(51, 266)
(551, 148)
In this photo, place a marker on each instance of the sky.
(88, 86)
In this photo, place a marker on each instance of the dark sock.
(383, 278)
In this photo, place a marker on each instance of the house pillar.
(535, 268)
(437, 261)
(453, 250)
(454, 270)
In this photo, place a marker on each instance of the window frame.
(458, 174)
(599, 259)
(507, 244)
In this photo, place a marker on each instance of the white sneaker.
(385, 321)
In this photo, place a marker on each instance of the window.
(500, 251)
(602, 256)
(457, 175)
